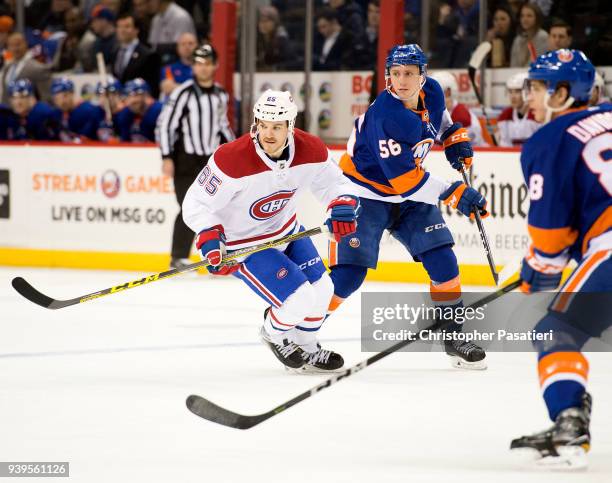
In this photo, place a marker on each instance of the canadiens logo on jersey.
(269, 206)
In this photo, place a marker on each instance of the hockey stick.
(476, 60)
(26, 290)
(108, 115)
(483, 234)
(208, 410)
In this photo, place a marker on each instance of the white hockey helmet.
(276, 106)
(446, 81)
(516, 81)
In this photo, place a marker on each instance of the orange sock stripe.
(333, 253)
(446, 291)
(335, 303)
(557, 362)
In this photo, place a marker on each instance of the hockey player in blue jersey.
(566, 165)
(136, 121)
(384, 160)
(35, 120)
(79, 121)
(110, 103)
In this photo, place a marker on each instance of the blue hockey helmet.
(136, 86)
(112, 85)
(61, 84)
(409, 54)
(565, 65)
(20, 87)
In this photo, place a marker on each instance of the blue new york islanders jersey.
(567, 167)
(82, 121)
(137, 129)
(389, 142)
(177, 71)
(42, 123)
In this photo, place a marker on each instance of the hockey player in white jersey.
(516, 123)
(246, 195)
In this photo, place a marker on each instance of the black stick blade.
(26, 290)
(208, 410)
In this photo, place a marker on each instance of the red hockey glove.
(211, 244)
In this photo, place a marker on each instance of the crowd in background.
(152, 41)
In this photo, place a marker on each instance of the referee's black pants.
(186, 169)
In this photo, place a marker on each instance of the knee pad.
(440, 263)
(324, 291)
(297, 306)
(347, 279)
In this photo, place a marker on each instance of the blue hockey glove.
(457, 147)
(537, 276)
(343, 213)
(211, 244)
(464, 199)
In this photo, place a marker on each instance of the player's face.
(405, 80)
(136, 102)
(21, 105)
(64, 101)
(536, 99)
(272, 135)
(204, 71)
(516, 98)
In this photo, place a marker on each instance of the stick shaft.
(33, 295)
(483, 234)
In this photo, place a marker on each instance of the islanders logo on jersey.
(421, 149)
(270, 205)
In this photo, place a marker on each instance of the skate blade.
(570, 459)
(459, 363)
(306, 370)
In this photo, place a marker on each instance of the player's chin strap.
(551, 110)
(390, 90)
(254, 133)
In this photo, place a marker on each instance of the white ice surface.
(103, 385)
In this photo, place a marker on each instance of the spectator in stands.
(350, 17)
(22, 66)
(136, 122)
(367, 49)
(559, 35)
(457, 33)
(204, 7)
(35, 119)
(54, 21)
(274, 48)
(332, 47)
(459, 112)
(113, 5)
(6, 27)
(103, 27)
(74, 50)
(168, 24)
(144, 14)
(531, 40)
(133, 58)
(80, 120)
(516, 123)
(109, 98)
(178, 72)
(501, 35)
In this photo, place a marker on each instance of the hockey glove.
(538, 276)
(457, 147)
(464, 199)
(211, 244)
(343, 213)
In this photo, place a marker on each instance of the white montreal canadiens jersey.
(254, 198)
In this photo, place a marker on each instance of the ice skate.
(465, 355)
(562, 447)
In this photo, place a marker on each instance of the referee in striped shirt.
(191, 126)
